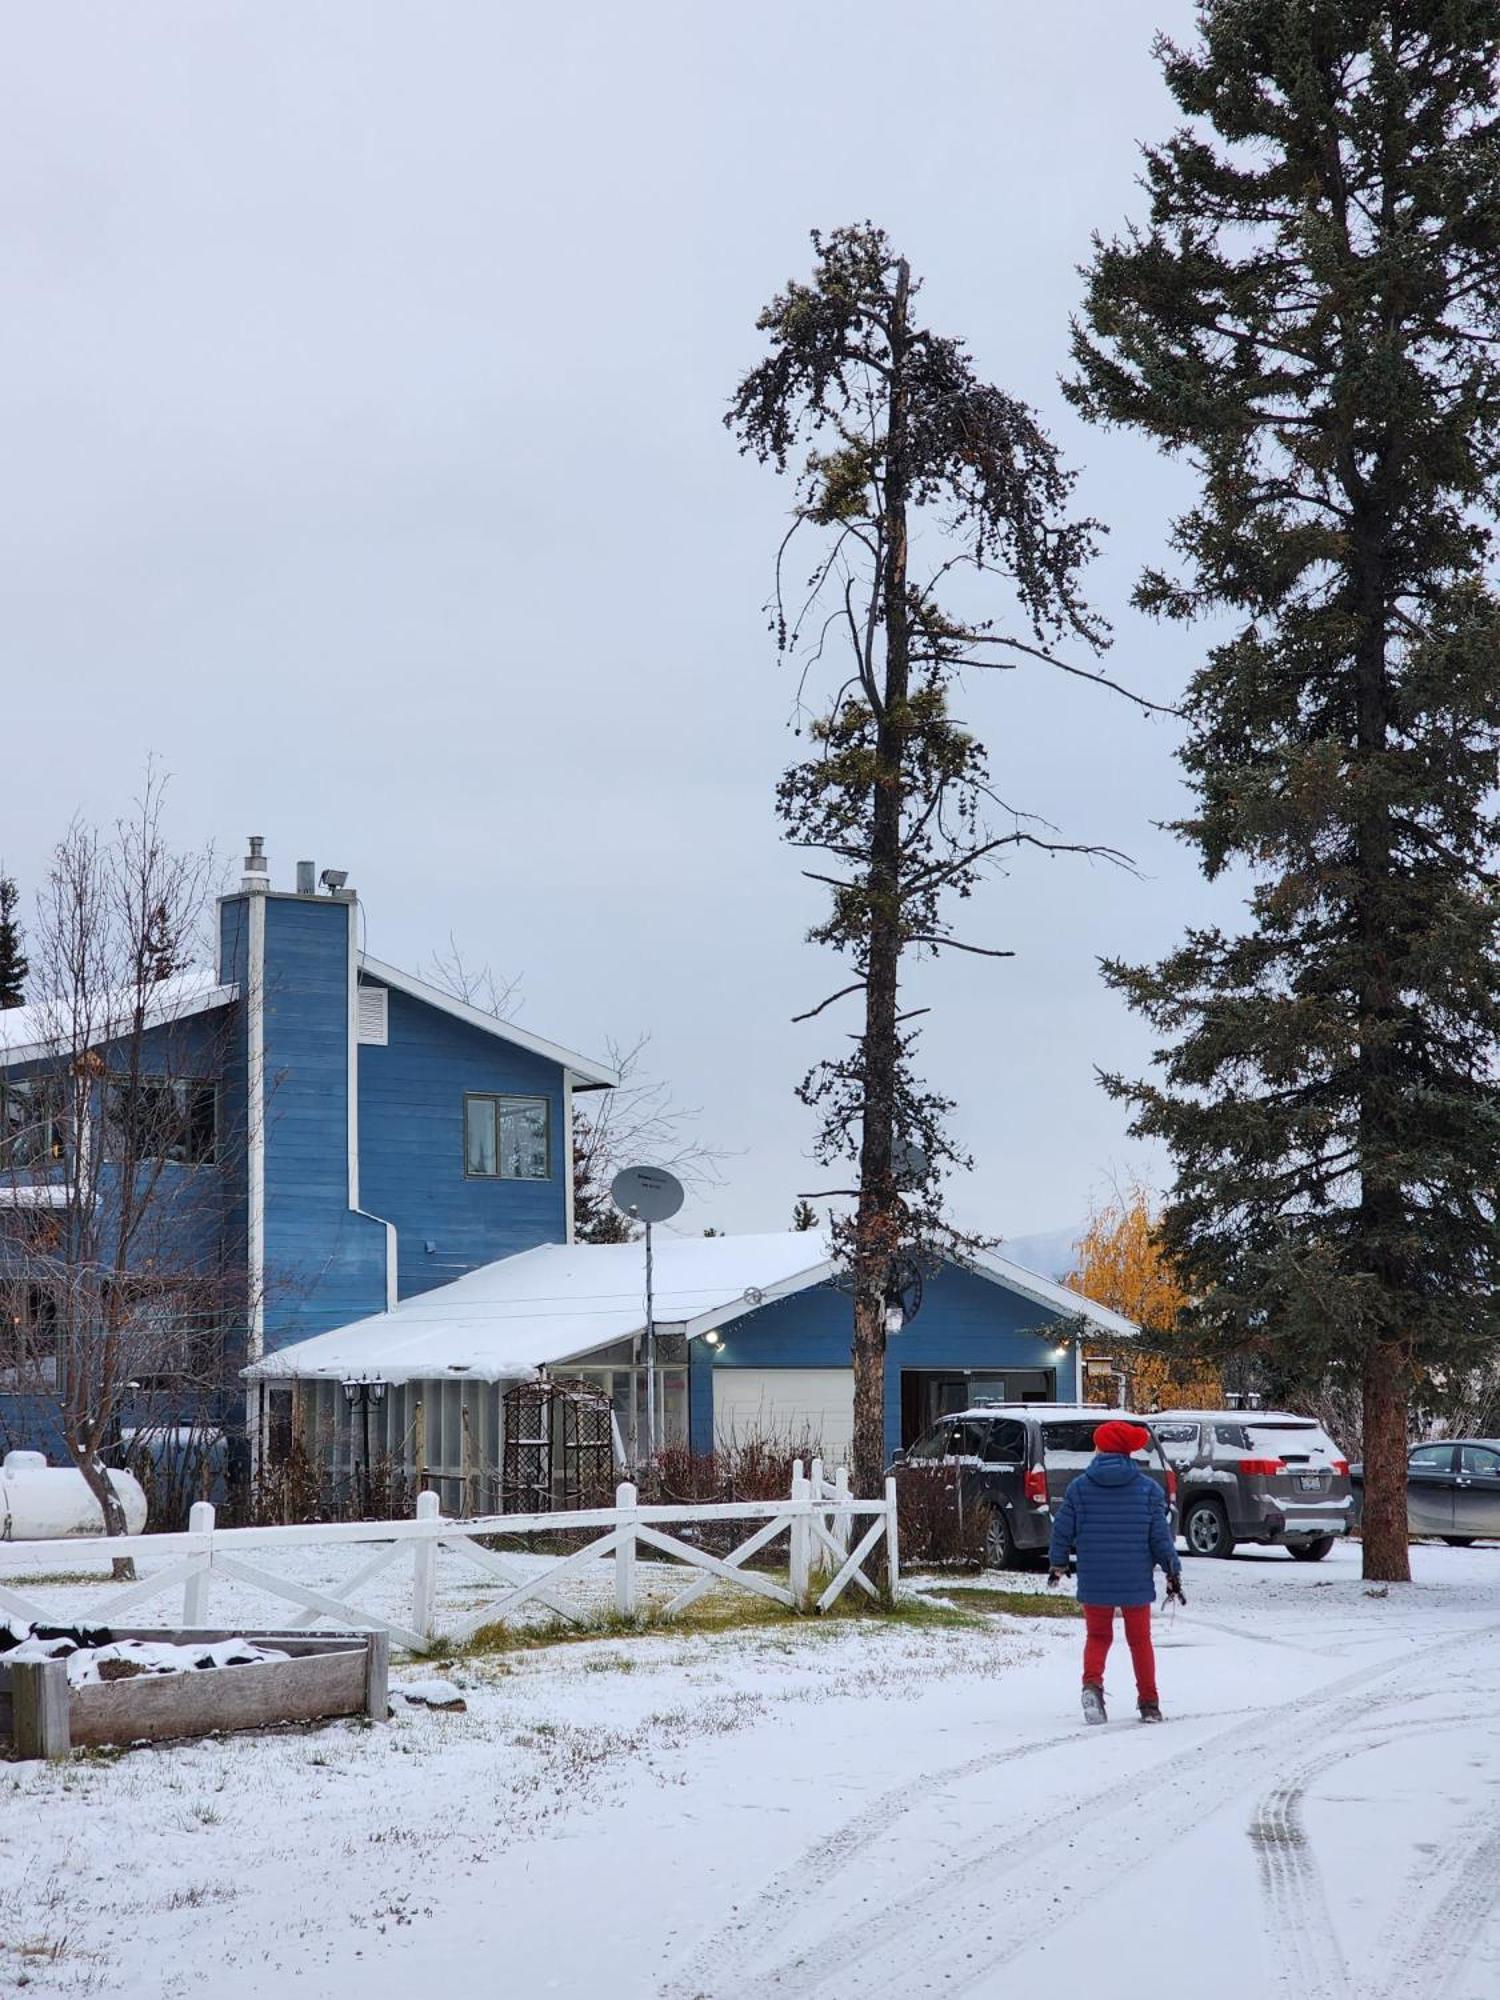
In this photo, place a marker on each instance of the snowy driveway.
(828, 1811)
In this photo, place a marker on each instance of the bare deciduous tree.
(116, 1278)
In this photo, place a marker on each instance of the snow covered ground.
(824, 1810)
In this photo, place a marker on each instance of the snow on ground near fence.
(825, 1808)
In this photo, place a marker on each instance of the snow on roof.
(553, 1304)
(583, 1068)
(46, 1027)
(563, 1301)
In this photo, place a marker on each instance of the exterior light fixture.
(713, 1340)
(895, 1320)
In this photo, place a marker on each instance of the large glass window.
(162, 1118)
(31, 1120)
(507, 1138)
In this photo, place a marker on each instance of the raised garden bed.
(323, 1677)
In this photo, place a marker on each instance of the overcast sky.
(361, 376)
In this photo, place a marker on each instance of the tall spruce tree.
(13, 966)
(898, 439)
(1311, 319)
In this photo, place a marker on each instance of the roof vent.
(307, 878)
(374, 1015)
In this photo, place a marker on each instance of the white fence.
(829, 1534)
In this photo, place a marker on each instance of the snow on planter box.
(65, 1688)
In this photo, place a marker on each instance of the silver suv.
(1255, 1476)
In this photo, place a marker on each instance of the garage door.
(795, 1404)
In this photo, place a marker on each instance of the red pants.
(1099, 1623)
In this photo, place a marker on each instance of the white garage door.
(794, 1404)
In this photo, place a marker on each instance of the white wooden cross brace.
(851, 1567)
(740, 1555)
(13, 1601)
(316, 1600)
(700, 1559)
(538, 1588)
(506, 1572)
(839, 1553)
(382, 1559)
(156, 1585)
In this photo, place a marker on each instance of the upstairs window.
(162, 1118)
(507, 1138)
(32, 1120)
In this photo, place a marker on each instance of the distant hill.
(1050, 1254)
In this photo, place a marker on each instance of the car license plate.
(1309, 1482)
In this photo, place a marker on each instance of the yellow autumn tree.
(1121, 1264)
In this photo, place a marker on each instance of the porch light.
(713, 1340)
(895, 1320)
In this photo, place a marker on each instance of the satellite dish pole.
(646, 1194)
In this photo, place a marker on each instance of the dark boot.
(1093, 1702)
(1150, 1711)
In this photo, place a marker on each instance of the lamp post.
(361, 1394)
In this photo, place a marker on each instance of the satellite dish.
(650, 1194)
(909, 1161)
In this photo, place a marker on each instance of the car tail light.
(1036, 1486)
(1341, 1468)
(1171, 1485)
(1261, 1467)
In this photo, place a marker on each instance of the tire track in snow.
(903, 1938)
(1432, 1958)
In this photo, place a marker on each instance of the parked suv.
(1255, 1476)
(1018, 1460)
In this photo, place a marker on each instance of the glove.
(1174, 1587)
(1054, 1578)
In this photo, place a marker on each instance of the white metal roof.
(561, 1302)
(584, 1069)
(46, 1027)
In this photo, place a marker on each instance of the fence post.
(892, 1543)
(841, 1520)
(424, 1571)
(39, 1708)
(817, 1554)
(801, 1539)
(625, 1500)
(195, 1590)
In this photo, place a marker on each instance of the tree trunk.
(879, 1220)
(96, 1476)
(1387, 1558)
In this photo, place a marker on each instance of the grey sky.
(361, 372)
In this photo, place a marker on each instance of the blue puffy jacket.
(1116, 1518)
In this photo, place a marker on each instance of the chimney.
(254, 876)
(307, 878)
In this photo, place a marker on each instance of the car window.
(1176, 1433)
(1479, 1458)
(1431, 1458)
(1289, 1440)
(1072, 1443)
(1234, 1435)
(1006, 1444)
(931, 1445)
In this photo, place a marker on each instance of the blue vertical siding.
(967, 1323)
(324, 1263)
(411, 1144)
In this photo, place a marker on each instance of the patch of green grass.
(716, 1611)
(1016, 1603)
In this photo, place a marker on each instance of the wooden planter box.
(331, 1674)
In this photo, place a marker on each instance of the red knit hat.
(1117, 1435)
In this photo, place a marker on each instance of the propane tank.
(42, 1503)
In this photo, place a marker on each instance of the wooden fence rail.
(828, 1534)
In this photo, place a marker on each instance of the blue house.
(328, 1136)
(366, 1184)
(751, 1337)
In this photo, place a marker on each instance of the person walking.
(1116, 1520)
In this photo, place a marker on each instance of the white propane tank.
(41, 1502)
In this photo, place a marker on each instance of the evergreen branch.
(857, 986)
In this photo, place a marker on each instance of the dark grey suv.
(1017, 1460)
(1255, 1476)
